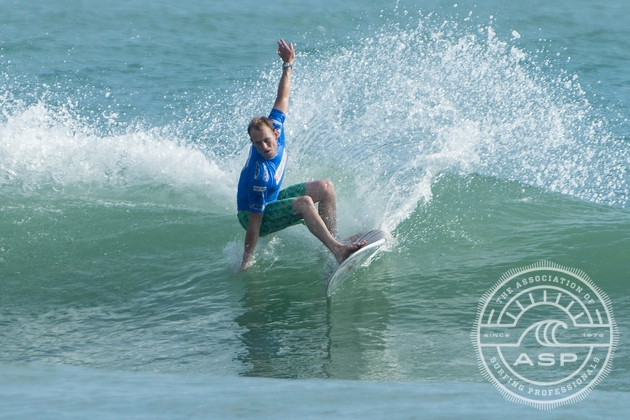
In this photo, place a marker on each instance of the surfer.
(264, 208)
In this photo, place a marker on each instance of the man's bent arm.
(287, 53)
(251, 238)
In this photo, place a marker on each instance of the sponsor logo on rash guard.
(281, 167)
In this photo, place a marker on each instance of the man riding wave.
(263, 207)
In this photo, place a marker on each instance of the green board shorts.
(279, 214)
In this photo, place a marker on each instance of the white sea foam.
(44, 148)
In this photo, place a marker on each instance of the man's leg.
(305, 207)
(323, 193)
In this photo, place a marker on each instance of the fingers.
(286, 51)
(283, 48)
(244, 266)
(283, 45)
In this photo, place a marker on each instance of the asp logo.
(545, 335)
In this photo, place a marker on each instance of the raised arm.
(287, 53)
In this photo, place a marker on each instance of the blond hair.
(257, 123)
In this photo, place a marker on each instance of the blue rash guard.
(262, 178)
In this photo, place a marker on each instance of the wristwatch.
(285, 65)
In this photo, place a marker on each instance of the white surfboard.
(375, 240)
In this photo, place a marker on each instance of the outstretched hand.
(286, 51)
(244, 266)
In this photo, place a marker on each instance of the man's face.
(265, 141)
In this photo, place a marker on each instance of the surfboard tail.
(374, 240)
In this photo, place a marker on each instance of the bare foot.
(346, 250)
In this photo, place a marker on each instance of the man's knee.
(328, 186)
(302, 203)
(321, 189)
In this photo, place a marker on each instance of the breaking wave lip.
(43, 148)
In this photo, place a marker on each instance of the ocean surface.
(483, 135)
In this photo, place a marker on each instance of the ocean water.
(484, 136)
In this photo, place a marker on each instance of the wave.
(382, 115)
